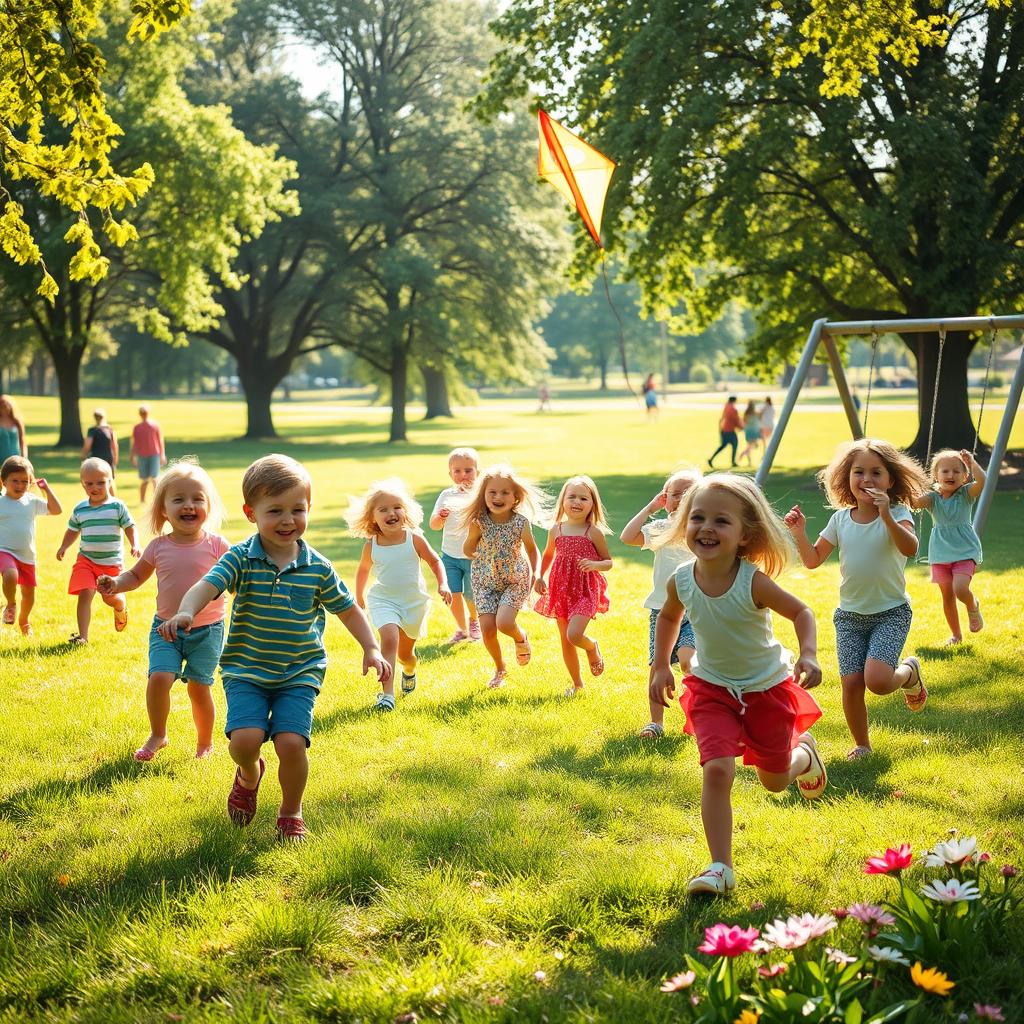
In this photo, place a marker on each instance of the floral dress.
(570, 590)
(500, 573)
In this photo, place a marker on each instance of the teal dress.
(9, 443)
(952, 538)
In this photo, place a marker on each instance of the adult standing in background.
(767, 419)
(101, 443)
(651, 397)
(147, 451)
(12, 431)
(728, 423)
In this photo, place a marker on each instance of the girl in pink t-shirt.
(186, 500)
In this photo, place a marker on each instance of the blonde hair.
(93, 465)
(16, 464)
(465, 453)
(689, 473)
(908, 476)
(360, 510)
(185, 468)
(99, 415)
(946, 453)
(531, 500)
(768, 544)
(596, 515)
(273, 475)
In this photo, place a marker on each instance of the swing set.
(824, 332)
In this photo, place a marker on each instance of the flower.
(983, 1011)
(748, 1017)
(795, 931)
(837, 956)
(869, 913)
(679, 982)
(817, 924)
(839, 913)
(772, 972)
(890, 862)
(885, 955)
(953, 851)
(723, 940)
(63, 881)
(1008, 871)
(984, 858)
(953, 891)
(931, 980)
(540, 976)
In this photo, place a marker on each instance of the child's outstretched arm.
(922, 500)
(52, 504)
(363, 573)
(532, 551)
(977, 484)
(632, 532)
(70, 536)
(812, 555)
(196, 598)
(440, 517)
(541, 584)
(662, 686)
(130, 579)
(472, 540)
(355, 621)
(129, 532)
(430, 556)
(768, 594)
(604, 562)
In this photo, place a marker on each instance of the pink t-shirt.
(147, 439)
(179, 567)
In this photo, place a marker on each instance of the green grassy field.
(471, 839)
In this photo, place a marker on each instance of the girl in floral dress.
(576, 591)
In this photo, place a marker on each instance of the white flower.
(887, 955)
(952, 851)
(837, 956)
(817, 924)
(795, 931)
(953, 891)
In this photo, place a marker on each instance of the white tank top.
(397, 569)
(735, 644)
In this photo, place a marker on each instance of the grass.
(471, 839)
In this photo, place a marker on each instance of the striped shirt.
(100, 527)
(277, 620)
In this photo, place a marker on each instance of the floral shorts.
(880, 636)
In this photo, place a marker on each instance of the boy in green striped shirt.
(274, 659)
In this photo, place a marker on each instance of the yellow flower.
(748, 1017)
(63, 880)
(931, 980)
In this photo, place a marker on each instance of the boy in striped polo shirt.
(274, 660)
(99, 521)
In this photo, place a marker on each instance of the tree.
(905, 201)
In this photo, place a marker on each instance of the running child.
(398, 602)
(870, 484)
(576, 592)
(506, 561)
(18, 511)
(463, 466)
(274, 660)
(745, 696)
(184, 499)
(99, 521)
(954, 550)
(667, 558)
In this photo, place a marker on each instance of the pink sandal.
(498, 679)
(596, 667)
(241, 800)
(9, 613)
(145, 754)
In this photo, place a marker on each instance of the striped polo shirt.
(277, 620)
(100, 527)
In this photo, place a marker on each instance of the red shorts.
(765, 732)
(943, 572)
(26, 570)
(85, 572)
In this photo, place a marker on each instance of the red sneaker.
(242, 801)
(291, 830)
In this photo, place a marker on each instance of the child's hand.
(105, 585)
(881, 500)
(42, 484)
(795, 520)
(662, 688)
(540, 585)
(170, 628)
(968, 458)
(445, 594)
(658, 501)
(136, 551)
(807, 672)
(373, 659)
(587, 565)
(60, 554)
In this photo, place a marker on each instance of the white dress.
(399, 596)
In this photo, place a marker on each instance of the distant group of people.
(758, 425)
(146, 451)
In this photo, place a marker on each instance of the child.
(398, 601)
(954, 549)
(869, 483)
(185, 499)
(751, 431)
(745, 696)
(18, 511)
(666, 560)
(99, 519)
(274, 661)
(577, 555)
(505, 557)
(463, 466)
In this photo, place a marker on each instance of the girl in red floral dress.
(576, 591)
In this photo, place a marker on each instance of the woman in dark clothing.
(101, 443)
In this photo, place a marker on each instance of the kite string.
(622, 335)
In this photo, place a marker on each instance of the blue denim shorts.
(192, 656)
(685, 639)
(457, 570)
(148, 466)
(273, 709)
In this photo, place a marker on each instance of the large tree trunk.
(259, 420)
(67, 362)
(602, 367)
(37, 373)
(435, 386)
(399, 378)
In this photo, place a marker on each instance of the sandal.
(954, 641)
(858, 753)
(497, 680)
(9, 613)
(652, 731)
(974, 618)
(77, 640)
(915, 694)
(145, 754)
(523, 650)
(408, 684)
(384, 702)
(26, 628)
(242, 800)
(572, 691)
(812, 782)
(121, 618)
(596, 667)
(291, 830)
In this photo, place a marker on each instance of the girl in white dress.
(398, 603)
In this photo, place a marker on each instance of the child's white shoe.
(812, 782)
(716, 879)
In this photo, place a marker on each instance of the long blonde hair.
(185, 468)
(768, 543)
(531, 500)
(908, 476)
(360, 510)
(596, 516)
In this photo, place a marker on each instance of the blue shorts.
(192, 656)
(685, 639)
(148, 466)
(273, 709)
(457, 570)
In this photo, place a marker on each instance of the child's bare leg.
(292, 772)
(950, 610)
(855, 709)
(118, 601)
(28, 599)
(158, 707)
(10, 585)
(459, 611)
(489, 634)
(203, 713)
(962, 590)
(881, 678)
(470, 609)
(776, 782)
(716, 807)
(684, 655)
(577, 635)
(506, 622)
(84, 612)
(244, 747)
(569, 655)
(407, 653)
(389, 649)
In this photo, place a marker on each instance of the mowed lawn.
(471, 839)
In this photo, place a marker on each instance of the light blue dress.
(952, 538)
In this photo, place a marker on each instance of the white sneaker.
(813, 781)
(716, 879)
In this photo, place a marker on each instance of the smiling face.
(867, 474)
(950, 473)
(500, 496)
(17, 484)
(280, 518)
(462, 471)
(186, 506)
(96, 484)
(389, 513)
(714, 529)
(578, 503)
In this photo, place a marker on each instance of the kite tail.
(622, 336)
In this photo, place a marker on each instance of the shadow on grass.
(18, 806)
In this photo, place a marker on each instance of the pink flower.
(723, 940)
(679, 982)
(891, 862)
(839, 913)
(984, 858)
(985, 1012)
(772, 972)
(1008, 871)
(869, 913)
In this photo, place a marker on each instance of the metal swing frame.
(824, 332)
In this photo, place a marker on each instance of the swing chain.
(871, 376)
(935, 392)
(984, 386)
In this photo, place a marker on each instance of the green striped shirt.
(100, 527)
(278, 616)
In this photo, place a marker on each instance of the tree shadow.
(17, 805)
